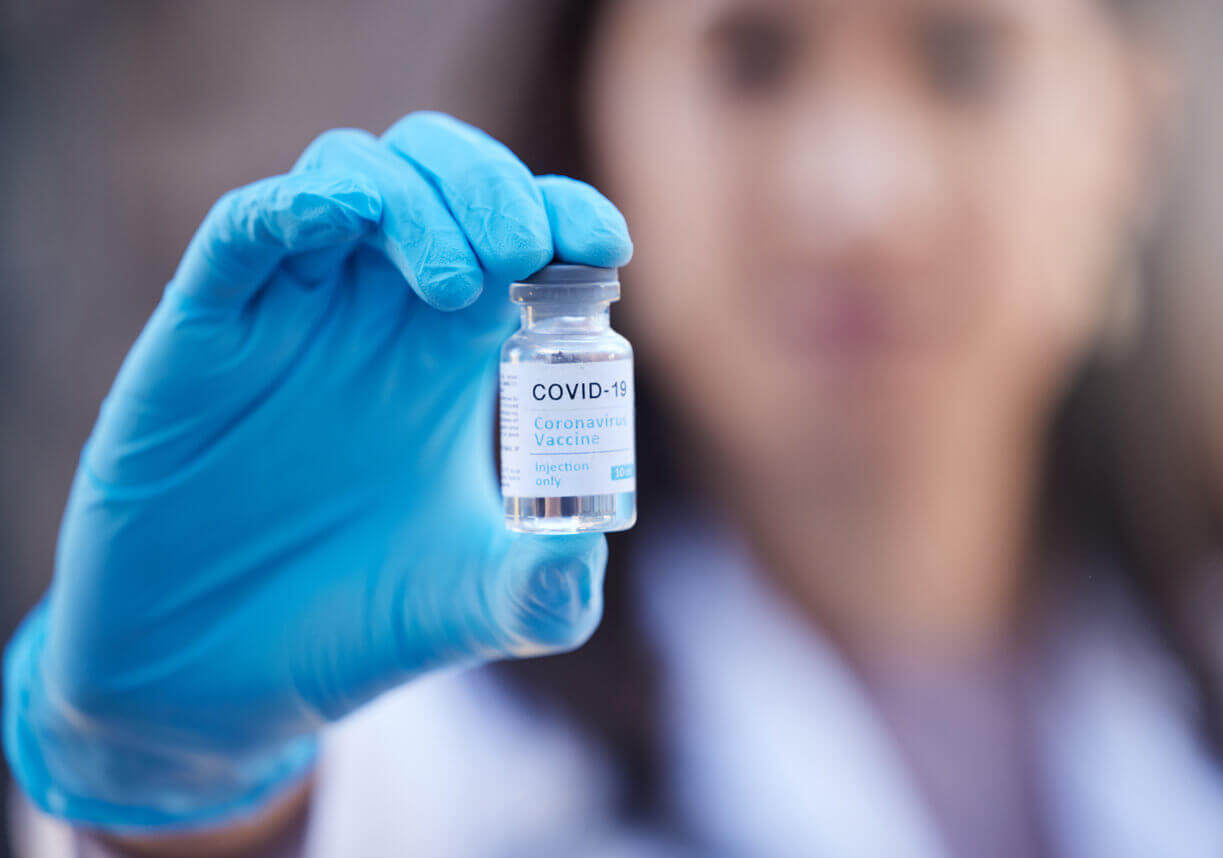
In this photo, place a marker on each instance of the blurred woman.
(927, 529)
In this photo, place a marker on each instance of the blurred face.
(866, 229)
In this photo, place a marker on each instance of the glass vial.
(567, 444)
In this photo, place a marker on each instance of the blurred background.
(120, 122)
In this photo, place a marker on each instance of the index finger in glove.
(491, 193)
(418, 235)
(586, 227)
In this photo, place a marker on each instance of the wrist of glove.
(136, 778)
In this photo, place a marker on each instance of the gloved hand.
(288, 504)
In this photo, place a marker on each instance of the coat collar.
(776, 749)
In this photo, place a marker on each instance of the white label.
(567, 429)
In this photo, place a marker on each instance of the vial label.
(567, 429)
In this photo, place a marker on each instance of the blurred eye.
(962, 54)
(753, 52)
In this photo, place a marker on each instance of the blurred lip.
(840, 319)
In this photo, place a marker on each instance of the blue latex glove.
(288, 504)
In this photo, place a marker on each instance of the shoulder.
(1124, 760)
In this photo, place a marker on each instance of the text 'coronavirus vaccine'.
(567, 445)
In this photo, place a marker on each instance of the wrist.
(278, 829)
(125, 780)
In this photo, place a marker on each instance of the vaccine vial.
(567, 444)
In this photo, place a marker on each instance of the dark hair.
(1125, 477)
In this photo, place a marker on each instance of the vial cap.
(566, 282)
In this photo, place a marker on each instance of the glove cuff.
(73, 768)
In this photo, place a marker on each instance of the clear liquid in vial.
(579, 513)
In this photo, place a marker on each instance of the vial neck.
(567, 317)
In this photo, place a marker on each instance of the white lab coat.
(772, 745)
